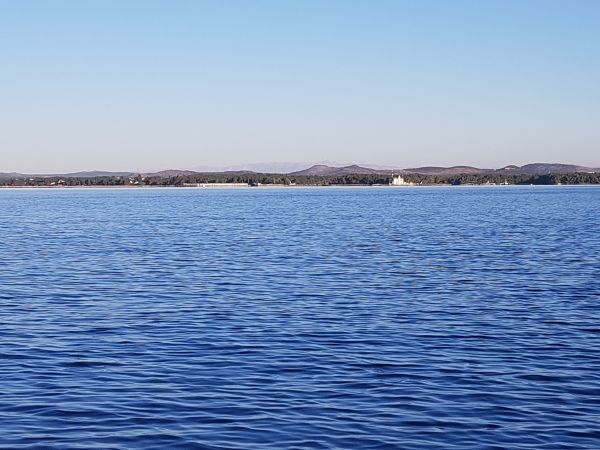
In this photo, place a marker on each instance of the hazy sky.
(143, 85)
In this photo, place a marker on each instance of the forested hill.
(344, 179)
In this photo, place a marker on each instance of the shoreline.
(336, 186)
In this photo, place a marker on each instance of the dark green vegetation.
(255, 179)
(544, 179)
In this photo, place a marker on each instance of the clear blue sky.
(143, 85)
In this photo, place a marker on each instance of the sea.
(300, 318)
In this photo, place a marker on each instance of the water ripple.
(451, 318)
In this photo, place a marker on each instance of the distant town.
(320, 175)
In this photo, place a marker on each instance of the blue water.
(417, 318)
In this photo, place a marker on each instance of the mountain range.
(330, 170)
(528, 169)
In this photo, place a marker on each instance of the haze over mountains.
(329, 170)
(83, 174)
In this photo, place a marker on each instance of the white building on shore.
(398, 180)
(216, 185)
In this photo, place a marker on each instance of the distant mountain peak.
(324, 170)
(454, 170)
(170, 173)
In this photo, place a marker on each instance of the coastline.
(270, 187)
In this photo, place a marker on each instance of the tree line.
(255, 179)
